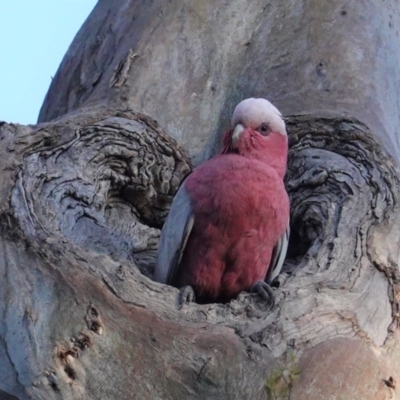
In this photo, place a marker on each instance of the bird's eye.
(264, 129)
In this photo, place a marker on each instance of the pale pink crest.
(251, 113)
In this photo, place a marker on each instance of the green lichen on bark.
(279, 381)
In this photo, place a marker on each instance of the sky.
(34, 36)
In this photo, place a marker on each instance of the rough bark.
(84, 194)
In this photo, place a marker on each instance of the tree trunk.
(85, 192)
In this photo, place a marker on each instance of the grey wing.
(278, 256)
(174, 236)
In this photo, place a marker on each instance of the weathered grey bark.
(83, 196)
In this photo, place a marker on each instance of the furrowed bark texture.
(188, 64)
(85, 192)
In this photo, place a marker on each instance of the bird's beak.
(236, 133)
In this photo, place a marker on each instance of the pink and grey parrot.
(227, 229)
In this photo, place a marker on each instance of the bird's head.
(258, 131)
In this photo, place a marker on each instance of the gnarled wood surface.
(83, 197)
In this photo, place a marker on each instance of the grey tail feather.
(278, 256)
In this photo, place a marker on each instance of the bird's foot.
(186, 295)
(265, 291)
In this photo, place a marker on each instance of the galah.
(227, 229)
